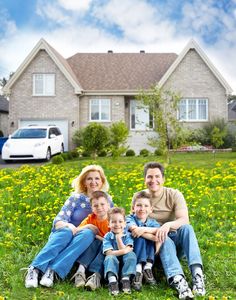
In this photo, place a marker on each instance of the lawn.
(30, 197)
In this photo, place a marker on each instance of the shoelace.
(77, 274)
(49, 273)
(29, 272)
(182, 285)
(198, 282)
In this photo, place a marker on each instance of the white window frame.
(47, 80)
(100, 100)
(143, 126)
(197, 119)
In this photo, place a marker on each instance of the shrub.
(74, 153)
(130, 152)
(102, 153)
(58, 159)
(158, 152)
(144, 152)
(64, 155)
(118, 136)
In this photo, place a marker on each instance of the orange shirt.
(101, 225)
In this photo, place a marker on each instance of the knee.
(131, 257)
(187, 228)
(87, 233)
(110, 258)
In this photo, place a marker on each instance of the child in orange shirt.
(92, 259)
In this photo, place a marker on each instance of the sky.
(72, 26)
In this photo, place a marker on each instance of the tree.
(118, 136)
(95, 138)
(4, 80)
(163, 106)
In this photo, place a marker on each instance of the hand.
(162, 232)
(93, 228)
(127, 250)
(137, 232)
(72, 228)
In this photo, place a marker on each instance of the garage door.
(62, 124)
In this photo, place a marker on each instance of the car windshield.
(31, 133)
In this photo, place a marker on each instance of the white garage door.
(62, 124)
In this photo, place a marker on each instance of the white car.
(33, 142)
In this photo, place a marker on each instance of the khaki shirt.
(166, 204)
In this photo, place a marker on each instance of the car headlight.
(39, 144)
(7, 145)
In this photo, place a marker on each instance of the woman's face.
(93, 182)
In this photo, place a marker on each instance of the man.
(176, 234)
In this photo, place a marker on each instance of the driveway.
(16, 164)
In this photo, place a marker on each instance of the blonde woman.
(65, 236)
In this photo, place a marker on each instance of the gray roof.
(4, 104)
(120, 71)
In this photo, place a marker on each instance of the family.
(108, 245)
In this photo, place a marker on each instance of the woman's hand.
(72, 228)
(162, 232)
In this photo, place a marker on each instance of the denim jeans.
(58, 240)
(182, 242)
(93, 258)
(144, 250)
(64, 261)
(123, 264)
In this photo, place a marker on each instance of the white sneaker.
(80, 279)
(198, 285)
(181, 285)
(31, 279)
(47, 278)
(93, 281)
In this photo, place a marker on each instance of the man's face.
(154, 180)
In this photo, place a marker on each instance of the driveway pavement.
(17, 164)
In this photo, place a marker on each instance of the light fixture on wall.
(12, 124)
(72, 123)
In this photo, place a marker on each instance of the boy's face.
(142, 208)
(100, 207)
(117, 223)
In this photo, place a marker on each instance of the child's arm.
(122, 248)
(145, 232)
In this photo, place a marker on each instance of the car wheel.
(48, 155)
(62, 148)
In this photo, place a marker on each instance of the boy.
(98, 223)
(118, 249)
(144, 231)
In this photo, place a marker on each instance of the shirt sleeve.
(85, 222)
(66, 210)
(107, 244)
(180, 202)
(130, 221)
(129, 240)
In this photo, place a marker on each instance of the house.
(101, 87)
(232, 111)
(4, 110)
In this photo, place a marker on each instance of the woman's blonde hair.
(78, 182)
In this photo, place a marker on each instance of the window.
(193, 110)
(43, 84)
(140, 117)
(100, 110)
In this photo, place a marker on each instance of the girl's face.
(93, 182)
(142, 208)
(154, 180)
(117, 223)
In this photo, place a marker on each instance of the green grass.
(30, 197)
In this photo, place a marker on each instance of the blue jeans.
(93, 257)
(182, 242)
(58, 240)
(144, 250)
(124, 264)
(64, 261)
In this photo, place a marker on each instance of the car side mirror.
(52, 136)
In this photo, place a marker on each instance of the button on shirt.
(109, 241)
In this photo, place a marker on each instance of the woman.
(64, 232)
(176, 234)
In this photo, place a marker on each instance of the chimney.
(142, 51)
(110, 51)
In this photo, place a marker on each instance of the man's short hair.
(154, 165)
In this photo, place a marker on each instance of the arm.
(181, 219)
(122, 248)
(88, 226)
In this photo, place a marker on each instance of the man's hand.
(162, 233)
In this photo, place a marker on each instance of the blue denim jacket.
(109, 241)
(132, 220)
